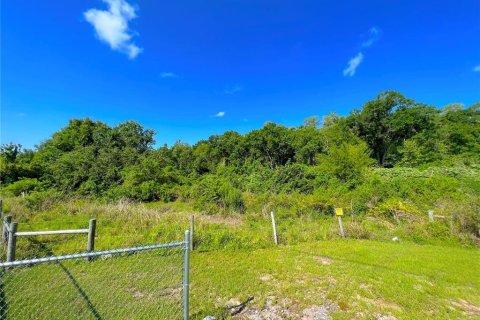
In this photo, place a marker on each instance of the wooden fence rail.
(10, 234)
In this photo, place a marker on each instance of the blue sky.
(189, 69)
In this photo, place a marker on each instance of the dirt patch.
(271, 311)
(136, 293)
(316, 313)
(381, 303)
(172, 292)
(324, 260)
(266, 277)
(467, 307)
(385, 317)
(285, 309)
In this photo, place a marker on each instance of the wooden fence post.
(192, 229)
(339, 214)
(12, 241)
(452, 223)
(6, 225)
(342, 233)
(91, 236)
(275, 237)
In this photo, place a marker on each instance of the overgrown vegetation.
(392, 159)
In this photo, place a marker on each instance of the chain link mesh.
(136, 283)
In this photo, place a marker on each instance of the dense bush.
(393, 156)
(23, 186)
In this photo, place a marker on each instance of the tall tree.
(387, 121)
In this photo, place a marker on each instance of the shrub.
(43, 200)
(213, 193)
(23, 186)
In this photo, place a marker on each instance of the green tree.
(387, 121)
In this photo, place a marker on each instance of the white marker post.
(339, 214)
(430, 216)
(275, 238)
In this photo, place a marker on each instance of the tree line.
(90, 158)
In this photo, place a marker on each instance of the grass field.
(431, 273)
(333, 279)
(346, 279)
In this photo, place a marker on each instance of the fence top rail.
(89, 254)
(50, 232)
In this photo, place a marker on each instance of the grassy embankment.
(430, 273)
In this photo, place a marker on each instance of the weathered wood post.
(275, 237)
(1, 209)
(6, 225)
(452, 223)
(91, 237)
(192, 229)
(339, 214)
(430, 216)
(12, 241)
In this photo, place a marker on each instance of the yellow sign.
(339, 211)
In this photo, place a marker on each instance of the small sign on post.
(339, 214)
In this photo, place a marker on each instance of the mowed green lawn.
(342, 279)
(334, 279)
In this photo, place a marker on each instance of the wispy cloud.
(373, 36)
(353, 65)
(220, 114)
(21, 114)
(111, 26)
(233, 90)
(169, 75)
(476, 68)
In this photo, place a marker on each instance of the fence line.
(87, 254)
(10, 234)
(142, 282)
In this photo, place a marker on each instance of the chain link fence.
(147, 282)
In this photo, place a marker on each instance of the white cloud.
(373, 36)
(233, 90)
(220, 114)
(111, 26)
(353, 65)
(477, 68)
(168, 75)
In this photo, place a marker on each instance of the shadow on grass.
(75, 283)
(3, 301)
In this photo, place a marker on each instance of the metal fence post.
(12, 240)
(186, 276)
(6, 227)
